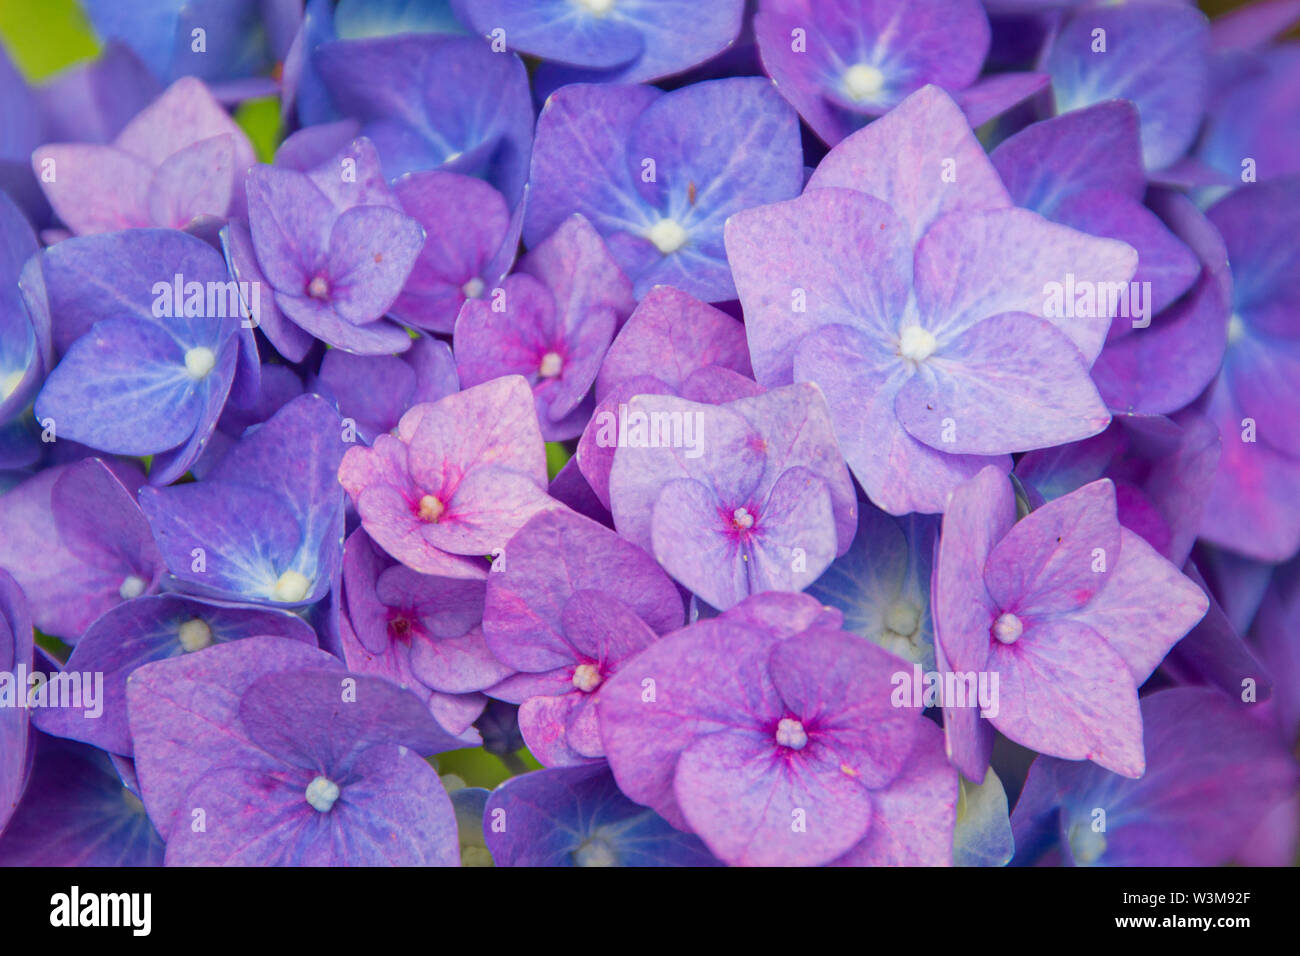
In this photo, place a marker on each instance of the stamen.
(790, 733)
(431, 509)
(199, 361)
(195, 635)
(1008, 628)
(132, 587)
(586, 677)
(321, 794)
(291, 587)
(667, 235)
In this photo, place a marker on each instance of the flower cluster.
(652, 433)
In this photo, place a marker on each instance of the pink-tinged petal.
(457, 665)
(1009, 383)
(1059, 557)
(902, 159)
(710, 677)
(994, 95)
(574, 263)
(489, 424)
(485, 510)
(324, 322)
(184, 114)
(1262, 371)
(980, 513)
(95, 188)
(796, 430)
(290, 222)
(861, 382)
(606, 632)
(840, 688)
(199, 180)
(1145, 608)
(1250, 509)
(795, 537)
(723, 452)
(690, 539)
(544, 722)
(976, 265)
(450, 258)
(830, 257)
(1065, 693)
(675, 335)
(967, 737)
(554, 556)
(913, 819)
(353, 177)
(491, 342)
(371, 251)
(765, 792)
(1094, 148)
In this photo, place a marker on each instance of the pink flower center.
(1008, 628)
(790, 733)
(318, 288)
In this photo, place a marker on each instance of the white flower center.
(595, 851)
(863, 82)
(551, 365)
(1086, 844)
(742, 519)
(667, 235)
(1008, 628)
(431, 509)
(132, 587)
(1236, 328)
(597, 8)
(902, 618)
(790, 733)
(473, 288)
(321, 794)
(916, 344)
(318, 288)
(291, 586)
(199, 361)
(586, 677)
(195, 635)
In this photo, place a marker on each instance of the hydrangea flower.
(672, 344)
(151, 337)
(334, 248)
(627, 41)
(915, 299)
(1251, 508)
(77, 811)
(459, 264)
(1155, 54)
(480, 125)
(15, 653)
(281, 478)
(658, 173)
(459, 477)
(557, 316)
(423, 631)
(1071, 610)
(73, 537)
(236, 45)
(841, 63)
(153, 628)
(180, 160)
(1210, 774)
(738, 498)
(570, 603)
(882, 583)
(773, 713)
(576, 816)
(289, 760)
